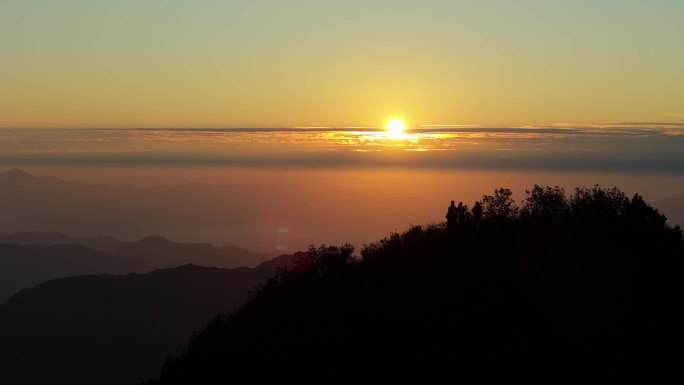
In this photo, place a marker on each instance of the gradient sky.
(172, 63)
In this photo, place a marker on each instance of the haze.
(278, 190)
(278, 108)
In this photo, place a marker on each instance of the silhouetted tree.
(642, 212)
(545, 202)
(499, 206)
(597, 202)
(332, 259)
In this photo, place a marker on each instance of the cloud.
(303, 129)
(618, 148)
(627, 125)
(500, 159)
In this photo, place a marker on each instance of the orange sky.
(324, 185)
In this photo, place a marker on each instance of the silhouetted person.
(460, 213)
(451, 216)
(477, 213)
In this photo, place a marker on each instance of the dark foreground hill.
(105, 329)
(586, 289)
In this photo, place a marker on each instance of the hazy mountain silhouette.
(98, 243)
(16, 175)
(29, 258)
(23, 266)
(579, 289)
(106, 329)
(156, 251)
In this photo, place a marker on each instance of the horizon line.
(561, 126)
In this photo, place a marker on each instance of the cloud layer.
(614, 147)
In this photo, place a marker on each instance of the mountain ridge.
(76, 329)
(24, 263)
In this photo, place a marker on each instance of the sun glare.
(395, 128)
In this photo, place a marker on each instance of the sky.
(229, 64)
(281, 105)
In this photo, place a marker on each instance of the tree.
(545, 202)
(599, 202)
(330, 259)
(499, 206)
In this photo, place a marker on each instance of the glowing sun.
(395, 128)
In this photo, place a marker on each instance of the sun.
(395, 128)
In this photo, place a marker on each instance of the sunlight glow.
(395, 128)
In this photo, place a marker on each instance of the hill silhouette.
(23, 266)
(156, 251)
(106, 329)
(558, 289)
(29, 258)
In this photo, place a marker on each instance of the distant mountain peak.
(154, 239)
(16, 173)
